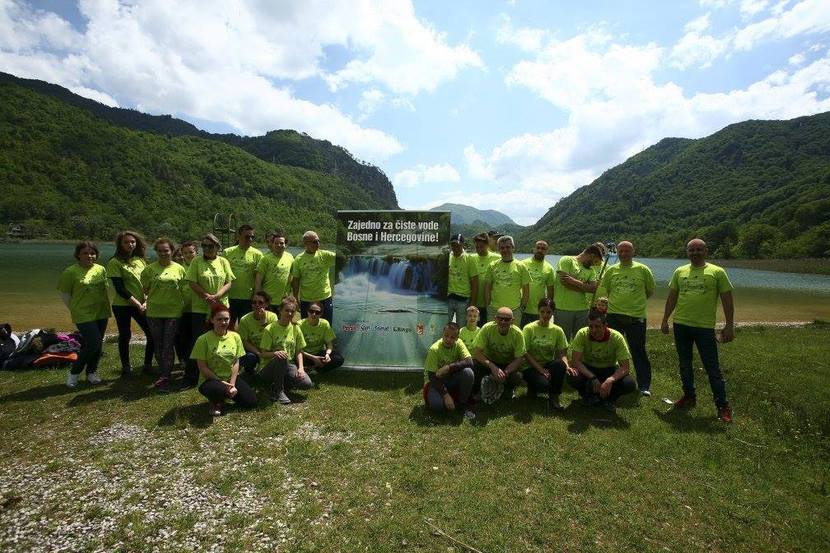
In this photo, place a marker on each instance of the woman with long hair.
(281, 346)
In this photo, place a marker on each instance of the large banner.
(390, 296)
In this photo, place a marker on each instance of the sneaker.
(126, 372)
(645, 393)
(553, 403)
(93, 378)
(281, 398)
(72, 380)
(469, 415)
(725, 413)
(162, 385)
(685, 402)
(215, 409)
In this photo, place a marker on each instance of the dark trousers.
(216, 392)
(337, 360)
(619, 388)
(634, 331)
(164, 342)
(283, 376)
(459, 383)
(183, 340)
(123, 315)
(328, 309)
(704, 338)
(238, 309)
(537, 383)
(198, 326)
(93, 334)
(481, 371)
(248, 362)
(482, 315)
(528, 318)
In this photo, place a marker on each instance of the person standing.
(508, 282)
(273, 272)
(483, 259)
(462, 281)
(244, 259)
(575, 277)
(628, 284)
(541, 281)
(694, 290)
(311, 280)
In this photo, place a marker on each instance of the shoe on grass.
(162, 385)
(685, 402)
(553, 403)
(645, 393)
(72, 380)
(215, 410)
(725, 413)
(281, 398)
(93, 378)
(469, 415)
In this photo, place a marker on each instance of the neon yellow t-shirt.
(276, 275)
(438, 355)
(316, 337)
(543, 342)
(251, 329)
(627, 289)
(601, 354)
(210, 275)
(87, 289)
(697, 290)
(461, 270)
(165, 289)
(565, 298)
(218, 352)
(313, 272)
(497, 348)
(507, 280)
(130, 273)
(541, 276)
(287, 338)
(243, 264)
(482, 264)
(468, 336)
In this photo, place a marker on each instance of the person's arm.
(671, 302)
(536, 365)
(250, 346)
(300, 367)
(619, 374)
(525, 297)
(121, 290)
(199, 291)
(488, 288)
(329, 349)
(593, 381)
(232, 380)
(205, 370)
(258, 282)
(728, 332)
(473, 290)
(550, 292)
(514, 365)
(570, 282)
(562, 355)
(295, 286)
(650, 284)
(497, 373)
(222, 290)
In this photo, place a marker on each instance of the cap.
(457, 238)
(480, 237)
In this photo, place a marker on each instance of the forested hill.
(466, 215)
(284, 147)
(67, 173)
(753, 189)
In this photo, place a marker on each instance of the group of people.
(580, 321)
(216, 313)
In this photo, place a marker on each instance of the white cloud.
(370, 99)
(806, 17)
(713, 3)
(797, 59)
(529, 40)
(750, 8)
(696, 48)
(426, 174)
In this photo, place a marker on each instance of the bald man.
(694, 290)
(628, 284)
(499, 351)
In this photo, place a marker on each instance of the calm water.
(29, 274)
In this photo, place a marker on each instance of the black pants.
(634, 331)
(536, 381)
(481, 371)
(619, 388)
(183, 340)
(93, 334)
(123, 315)
(482, 315)
(216, 392)
(238, 309)
(328, 309)
(198, 326)
(336, 361)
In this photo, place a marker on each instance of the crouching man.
(448, 374)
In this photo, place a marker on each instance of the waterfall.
(397, 275)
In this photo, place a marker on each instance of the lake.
(29, 274)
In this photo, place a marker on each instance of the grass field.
(358, 465)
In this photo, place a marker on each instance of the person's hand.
(498, 374)
(281, 354)
(570, 371)
(664, 327)
(605, 387)
(442, 372)
(230, 390)
(301, 373)
(565, 278)
(544, 372)
(594, 385)
(449, 404)
(727, 334)
(327, 358)
(316, 360)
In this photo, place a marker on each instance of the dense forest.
(68, 173)
(754, 189)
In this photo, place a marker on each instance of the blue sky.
(506, 105)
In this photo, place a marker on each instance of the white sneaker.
(72, 380)
(93, 378)
(469, 415)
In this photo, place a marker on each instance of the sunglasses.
(504, 318)
(314, 312)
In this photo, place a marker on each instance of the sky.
(507, 105)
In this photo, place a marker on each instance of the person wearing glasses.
(251, 327)
(210, 278)
(244, 259)
(499, 352)
(310, 276)
(319, 338)
(273, 272)
(282, 343)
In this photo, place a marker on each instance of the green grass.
(360, 466)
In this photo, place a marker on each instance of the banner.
(390, 296)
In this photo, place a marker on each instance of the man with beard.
(542, 276)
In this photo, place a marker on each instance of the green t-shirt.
(497, 348)
(243, 264)
(276, 275)
(627, 289)
(130, 273)
(438, 356)
(543, 342)
(468, 336)
(507, 280)
(461, 270)
(251, 329)
(565, 298)
(697, 290)
(189, 297)
(218, 352)
(287, 338)
(541, 276)
(165, 287)
(313, 272)
(601, 354)
(316, 337)
(482, 263)
(87, 289)
(210, 275)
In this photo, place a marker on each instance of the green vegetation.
(469, 221)
(817, 266)
(757, 189)
(359, 465)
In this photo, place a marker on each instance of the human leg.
(296, 380)
(328, 309)
(482, 315)
(683, 340)
(707, 347)
(214, 390)
(92, 337)
(536, 381)
(245, 395)
(273, 373)
(337, 361)
(141, 319)
(238, 308)
(183, 338)
(197, 328)
(248, 362)
(122, 321)
(528, 318)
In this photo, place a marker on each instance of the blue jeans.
(93, 334)
(704, 338)
(457, 307)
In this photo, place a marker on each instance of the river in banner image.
(29, 274)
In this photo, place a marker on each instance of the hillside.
(283, 147)
(466, 215)
(68, 173)
(754, 189)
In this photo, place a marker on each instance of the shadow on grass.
(423, 416)
(39, 393)
(126, 389)
(683, 421)
(583, 417)
(195, 415)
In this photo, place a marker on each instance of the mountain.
(66, 172)
(283, 147)
(752, 189)
(466, 215)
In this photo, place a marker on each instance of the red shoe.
(685, 402)
(725, 413)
